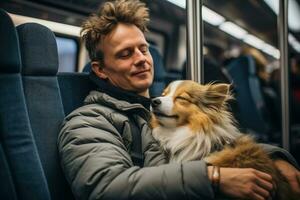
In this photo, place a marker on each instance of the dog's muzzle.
(155, 102)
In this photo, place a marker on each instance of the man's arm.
(286, 164)
(153, 153)
(280, 153)
(98, 166)
(290, 173)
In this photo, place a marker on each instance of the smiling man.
(127, 63)
(106, 147)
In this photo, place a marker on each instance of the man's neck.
(145, 94)
(118, 93)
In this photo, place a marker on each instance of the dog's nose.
(155, 102)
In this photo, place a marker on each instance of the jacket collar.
(118, 98)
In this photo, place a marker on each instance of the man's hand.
(290, 173)
(244, 183)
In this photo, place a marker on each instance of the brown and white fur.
(192, 122)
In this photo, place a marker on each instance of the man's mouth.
(139, 72)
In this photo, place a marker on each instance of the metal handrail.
(283, 35)
(194, 40)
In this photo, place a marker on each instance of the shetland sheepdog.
(192, 122)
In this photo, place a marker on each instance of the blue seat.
(6, 179)
(21, 175)
(87, 68)
(159, 83)
(42, 94)
(74, 87)
(7, 190)
(248, 95)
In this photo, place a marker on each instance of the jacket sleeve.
(153, 153)
(97, 166)
(277, 152)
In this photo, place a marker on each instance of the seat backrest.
(21, 169)
(214, 72)
(158, 84)
(42, 94)
(87, 68)
(74, 87)
(248, 94)
(7, 190)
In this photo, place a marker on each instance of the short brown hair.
(107, 18)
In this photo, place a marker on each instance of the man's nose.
(155, 102)
(140, 58)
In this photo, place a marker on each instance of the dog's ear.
(217, 94)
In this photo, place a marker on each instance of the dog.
(192, 122)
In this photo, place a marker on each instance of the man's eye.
(144, 49)
(124, 54)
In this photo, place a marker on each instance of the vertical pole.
(194, 40)
(283, 41)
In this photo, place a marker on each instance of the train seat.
(74, 87)
(43, 99)
(248, 95)
(255, 86)
(158, 84)
(7, 190)
(21, 174)
(87, 68)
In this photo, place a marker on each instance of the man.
(106, 147)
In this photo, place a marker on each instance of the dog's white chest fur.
(172, 139)
(182, 144)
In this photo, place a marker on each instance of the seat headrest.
(10, 61)
(38, 50)
(252, 65)
(87, 68)
(159, 69)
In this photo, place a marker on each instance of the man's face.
(127, 61)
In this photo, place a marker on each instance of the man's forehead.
(124, 33)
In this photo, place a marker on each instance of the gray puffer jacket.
(97, 155)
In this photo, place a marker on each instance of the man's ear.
(98, 69)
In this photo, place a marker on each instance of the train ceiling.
(262, 22)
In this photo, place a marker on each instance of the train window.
(242, 49)
(67, 54)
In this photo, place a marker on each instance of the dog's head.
(191, 120)
(190, 103)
